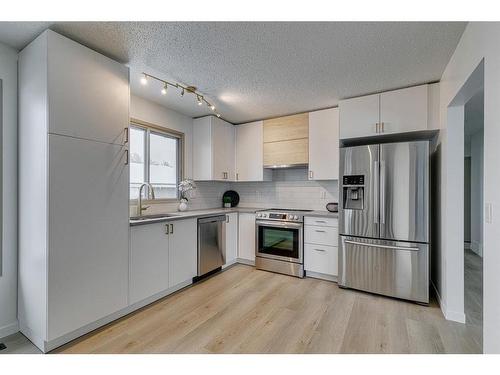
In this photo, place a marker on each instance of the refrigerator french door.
(384, 219)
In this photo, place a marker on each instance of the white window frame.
(167, 132)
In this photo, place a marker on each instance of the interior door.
(404, 191)
(358, 191)
(88, 232)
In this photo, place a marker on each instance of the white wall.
(480, 40)
(8, 280)
(208, 194)
(476, 194)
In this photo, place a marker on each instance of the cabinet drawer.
(321, 259)
(321, 221)
(327, 236)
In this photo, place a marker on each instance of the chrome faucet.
(151, 195)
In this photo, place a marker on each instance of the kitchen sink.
(153, 216)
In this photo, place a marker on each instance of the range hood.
(283, 166)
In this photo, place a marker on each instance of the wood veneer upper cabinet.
(286, 140)
(286, 128)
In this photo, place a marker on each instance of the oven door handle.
(278, 224)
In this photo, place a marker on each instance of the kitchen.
(175, 230)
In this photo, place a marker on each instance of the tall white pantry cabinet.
(73, 189)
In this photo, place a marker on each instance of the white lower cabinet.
(231, 228)
(321, 247)
(246, 240)
(149, 260)
(182, 250)
(162, 256)
(321, 259)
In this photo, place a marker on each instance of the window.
(155, 157)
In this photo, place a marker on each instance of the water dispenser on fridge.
(354, 192)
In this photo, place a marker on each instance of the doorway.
(473, 209)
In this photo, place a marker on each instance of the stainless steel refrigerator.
(384, 219)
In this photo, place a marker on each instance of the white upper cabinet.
(213, 150)
(88, 93)
(403, 110)
(395, 111)
(359, 117)
(324, 144)
(250, 153)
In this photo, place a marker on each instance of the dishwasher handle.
(212, 219)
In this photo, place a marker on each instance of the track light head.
(212, 107)
(182, 92)
(164, 89)
(144, 79)
(199, 100)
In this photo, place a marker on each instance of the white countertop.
(215, 211)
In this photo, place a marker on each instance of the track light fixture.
(183, 89)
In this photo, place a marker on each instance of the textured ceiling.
(255, 70)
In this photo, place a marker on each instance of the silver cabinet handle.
(320, 231)
(382, 192)
(381, 246)
(376, 127)
(375, 191)
(171, 228)
(237, 176)
(126, 157)
(320, 221)
(126, 135)
(166, 229)
(311, 174)
(323, 250)
(227, 218)
(381, 127)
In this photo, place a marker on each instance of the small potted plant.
(186, 188)
(227, 202)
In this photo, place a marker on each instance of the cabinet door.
(231, 228)
(324, 144)
(88, 232)
(249, 152)
(183, 255)
(229, 152)
(149, 260)
(404, 110)
(320, 258)
(219, 150)
(88, 92)
(358, 117)
(246, 248)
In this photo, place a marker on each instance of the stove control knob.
(259, 215)
(296, 217)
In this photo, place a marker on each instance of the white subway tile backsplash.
(290, 188)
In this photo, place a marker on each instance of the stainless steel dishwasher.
(211, 244)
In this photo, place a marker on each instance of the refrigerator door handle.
(382, 192)
(381, 246)
(375, 191)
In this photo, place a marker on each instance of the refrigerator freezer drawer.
(396, 269)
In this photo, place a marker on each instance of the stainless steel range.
(279, 242)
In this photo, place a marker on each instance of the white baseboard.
(454, 316)
(246, 261)
(9, 329)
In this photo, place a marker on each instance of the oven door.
(279, 240)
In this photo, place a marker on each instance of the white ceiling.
(256, 70)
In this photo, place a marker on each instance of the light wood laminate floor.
(244, 310)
